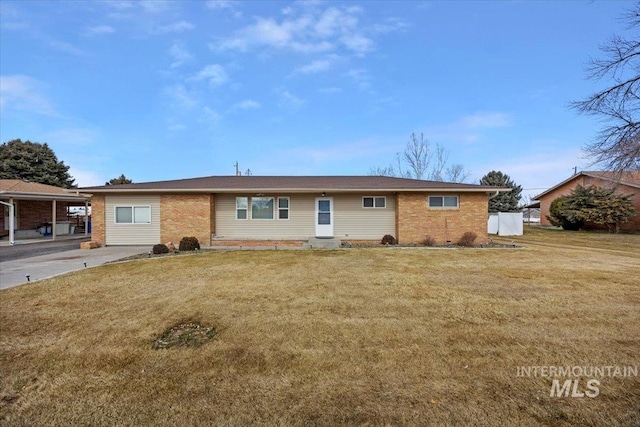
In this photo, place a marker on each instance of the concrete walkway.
(15, 272)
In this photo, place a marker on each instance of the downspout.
(494, 195)
(11, 219)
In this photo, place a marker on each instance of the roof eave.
(301, 190)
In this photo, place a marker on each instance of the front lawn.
(350, 337)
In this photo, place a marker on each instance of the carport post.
(11, 219)
(86, 218)
(53, 226)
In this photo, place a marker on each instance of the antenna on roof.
(238, 173)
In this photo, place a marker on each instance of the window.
(374, 202)
(133, 215)
(262, 208)
(241, 207)
(283, 208)
(443, 202)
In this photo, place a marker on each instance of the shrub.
(467, 240)
(429, 241)
(189, 244)
(160, 248)
(388, 239)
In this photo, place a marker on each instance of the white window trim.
(444, 207)
(374, 202)
(246, 218)
(288, 208)
(133, 217)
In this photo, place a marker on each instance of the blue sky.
(165, 90)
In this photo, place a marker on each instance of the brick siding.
(98, 220)
(34, 213)
(415, 220)
(183, 215)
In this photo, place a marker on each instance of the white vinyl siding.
(299, 226)
(350, 219)
(131, 233)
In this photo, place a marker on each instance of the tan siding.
(300, 224)
(132, 234)
(352, 221)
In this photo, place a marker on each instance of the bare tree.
(617, 146)
(418, 155)
(420, 160)
(457, 173)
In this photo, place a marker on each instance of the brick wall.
(415, 220)
(98, 221)
(34, 213)
(545, 202)
(184, 215)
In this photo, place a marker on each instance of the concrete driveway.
(14, 272)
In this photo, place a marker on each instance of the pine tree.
(503, 202)
(33, 162)
(119, 180)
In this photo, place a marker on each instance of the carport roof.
(24, 190)
(238, 184)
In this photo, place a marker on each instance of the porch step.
(322, 243)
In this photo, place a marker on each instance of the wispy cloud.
(470, 128)
(179, 54)
(174, 27)
(304, 29)
(23, 93)
(247, 104)
(317, 66)
(224, 5)
(99, 30)
(361, 77)
(214, 74)
(210, 115)
(484, 119)
(71, 136)
(287, 99)
(180, 97)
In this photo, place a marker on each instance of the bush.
(388, 239)
(429, 241)
(160, 248)
(189, 244)
(467, 240)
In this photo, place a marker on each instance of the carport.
(33, 210)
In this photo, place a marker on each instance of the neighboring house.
(627, 183)
(287, 210)
(39, 209)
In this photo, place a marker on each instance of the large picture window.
(443, 202)
(133, 215)
(262, 208)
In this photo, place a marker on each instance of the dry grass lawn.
(328, 338)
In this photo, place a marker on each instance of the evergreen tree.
(503, 202)
(33, 162)
(591, 204)
(119, 180)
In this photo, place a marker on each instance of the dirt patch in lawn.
(185, 334)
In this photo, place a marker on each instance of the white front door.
(324, 217)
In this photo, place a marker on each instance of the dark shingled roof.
(221, 184)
